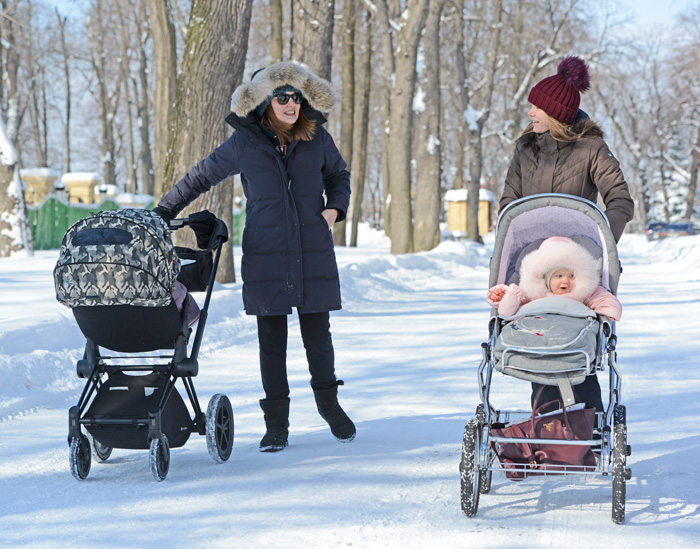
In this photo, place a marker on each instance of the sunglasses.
(283, 98)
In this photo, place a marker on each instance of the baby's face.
(562, 281)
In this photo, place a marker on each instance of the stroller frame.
(479, 455)
(216, 424)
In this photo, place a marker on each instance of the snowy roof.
(80, 176)
(460, 195)
(38, 172)
(134, 198)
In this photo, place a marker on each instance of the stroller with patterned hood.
(550, 341)
(118, 271)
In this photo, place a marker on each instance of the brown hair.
(559, 130)
(303, 129)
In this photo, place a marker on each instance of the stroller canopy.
(117, 257)
(525, 223)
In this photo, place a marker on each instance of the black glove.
(203, 224)
(165, 214)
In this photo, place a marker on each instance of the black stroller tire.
(100, 451)
(219, 428)
(469, 473)
(159, 457)
(620, 473)
(80, 457)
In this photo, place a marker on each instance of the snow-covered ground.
(408, 346)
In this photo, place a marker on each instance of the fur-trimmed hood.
(555, 253)
(319, 93)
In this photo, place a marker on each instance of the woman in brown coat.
(563, 151)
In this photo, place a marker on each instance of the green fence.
(50, 220)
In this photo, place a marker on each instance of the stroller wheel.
(219, 427)
(159, 457)
(101, 451)
(620, 473)
(80, 457)
(468, 469)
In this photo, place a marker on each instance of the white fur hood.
(319, 93)
(555, 253)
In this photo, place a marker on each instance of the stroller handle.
(209, 229)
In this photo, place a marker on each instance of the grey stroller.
(583, 343)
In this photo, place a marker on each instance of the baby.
(559, 267)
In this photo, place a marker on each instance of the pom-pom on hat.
(560, 95)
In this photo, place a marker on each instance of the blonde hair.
(302, 130)
(559, 130)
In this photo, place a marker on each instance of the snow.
(460, 195)
(407, 345)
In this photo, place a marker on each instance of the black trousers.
(587, 392)
(272, 338)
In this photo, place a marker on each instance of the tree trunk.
(476, 128)
(359, 172)
(142, 109)
(428, 149)
(388, 70)
(693, 183)
(107, 103)
(276, 41)
(66, 73)
(14, 226)
(125, 79)
(165, 56)
(401, 122)
(347, 102)
(312, 39)
(462, 95)
(212, 67)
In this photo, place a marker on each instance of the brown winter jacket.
(582, 168)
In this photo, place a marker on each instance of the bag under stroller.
(549, 341)
(117, 271)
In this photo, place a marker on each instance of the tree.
(408, 28)
(312, 39)
(212, 67)
(347, 101)
(98, 25)
(165, 57)
(476, 119)
(62, 21)
(14, 225)
(359, 161)
(428, 146)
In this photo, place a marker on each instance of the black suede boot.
(327, 403)
(277, 424)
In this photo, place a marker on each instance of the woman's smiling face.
(288, 113)
(540, 121)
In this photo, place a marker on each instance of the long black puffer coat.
(288, 257)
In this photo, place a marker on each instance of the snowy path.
(407, 346)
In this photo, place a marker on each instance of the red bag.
(522, 459)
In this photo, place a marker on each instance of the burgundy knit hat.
(560, 95)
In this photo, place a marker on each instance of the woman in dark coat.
(563, 151)
(287, 162)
